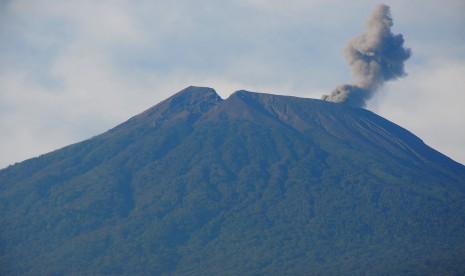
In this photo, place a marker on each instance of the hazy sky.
(70, 70)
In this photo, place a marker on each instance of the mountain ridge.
(253, 184)
(210, 99)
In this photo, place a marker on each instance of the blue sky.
(70, 70)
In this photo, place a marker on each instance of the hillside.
(253, 184)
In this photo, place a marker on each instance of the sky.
(70, 70)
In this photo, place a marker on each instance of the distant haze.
(375, 56)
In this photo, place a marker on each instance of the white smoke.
(375, 56)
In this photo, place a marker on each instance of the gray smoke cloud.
(375, 56)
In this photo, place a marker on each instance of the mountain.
(254, 184)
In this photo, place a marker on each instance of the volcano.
(253, 184)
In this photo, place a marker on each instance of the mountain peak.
(188, 104)
(195, 94)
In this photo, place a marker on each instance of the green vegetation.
(256, 184)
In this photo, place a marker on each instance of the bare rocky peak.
(188, 104)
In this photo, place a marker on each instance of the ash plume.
(375, 56)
